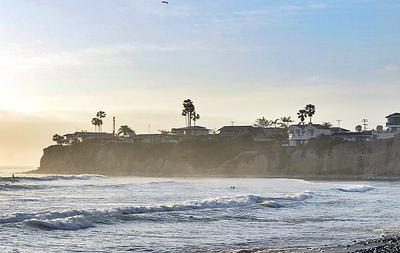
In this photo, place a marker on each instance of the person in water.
(13, 177)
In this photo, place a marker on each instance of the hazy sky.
(63, 60)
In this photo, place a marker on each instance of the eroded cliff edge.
(321, 158)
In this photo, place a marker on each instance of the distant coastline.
(320, 159)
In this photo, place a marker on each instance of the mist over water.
(102, 214)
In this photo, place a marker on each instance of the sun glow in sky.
(63, 60)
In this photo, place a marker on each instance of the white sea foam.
(299, 196)
(356, 188)
(80, 219)
(69, 223)
(287, 200)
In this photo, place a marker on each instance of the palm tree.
(188, 110)
(97, 122)
(358, 128)
(94, 122)
(60, 140)
(302, 115)
(195, 117)
(310, 111)
(285, 121)
(101, 115)
(125, 131)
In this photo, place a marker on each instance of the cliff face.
(322, 158)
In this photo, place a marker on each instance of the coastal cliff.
(320, 158)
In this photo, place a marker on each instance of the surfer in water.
(13, 177)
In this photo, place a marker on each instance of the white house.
(302, 133)
(393, 122)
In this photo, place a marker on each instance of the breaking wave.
(69, 223)
(287, 200)
(356, 188)
(81, 219)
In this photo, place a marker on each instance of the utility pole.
(338, 122)
(365, 124)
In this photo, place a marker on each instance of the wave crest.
(81, 219)
(287, 200)
(69, 223)
(356, 188)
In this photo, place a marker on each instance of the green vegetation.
(60, 140)
(125, 131)
(101, 115)
(302, 115)
(308, 111)
(189, 112)
(98, 121)
(266, 123)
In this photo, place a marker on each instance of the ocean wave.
(356, 188)
(15, 187)
(80, 219)
(52, 178)
(287, 200)
(69, 223)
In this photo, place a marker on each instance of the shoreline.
(197, 176)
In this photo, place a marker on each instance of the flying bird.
(164, 2)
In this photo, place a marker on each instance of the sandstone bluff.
(323, 158)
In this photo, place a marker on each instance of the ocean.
(94, 213)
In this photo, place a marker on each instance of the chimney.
(114, 126)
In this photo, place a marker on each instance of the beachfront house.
(299, 134)
(152, 138)
(257, 133)
(393, 122)
(80, 136)
(190, 131)
(235, 131)
(355, 136)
